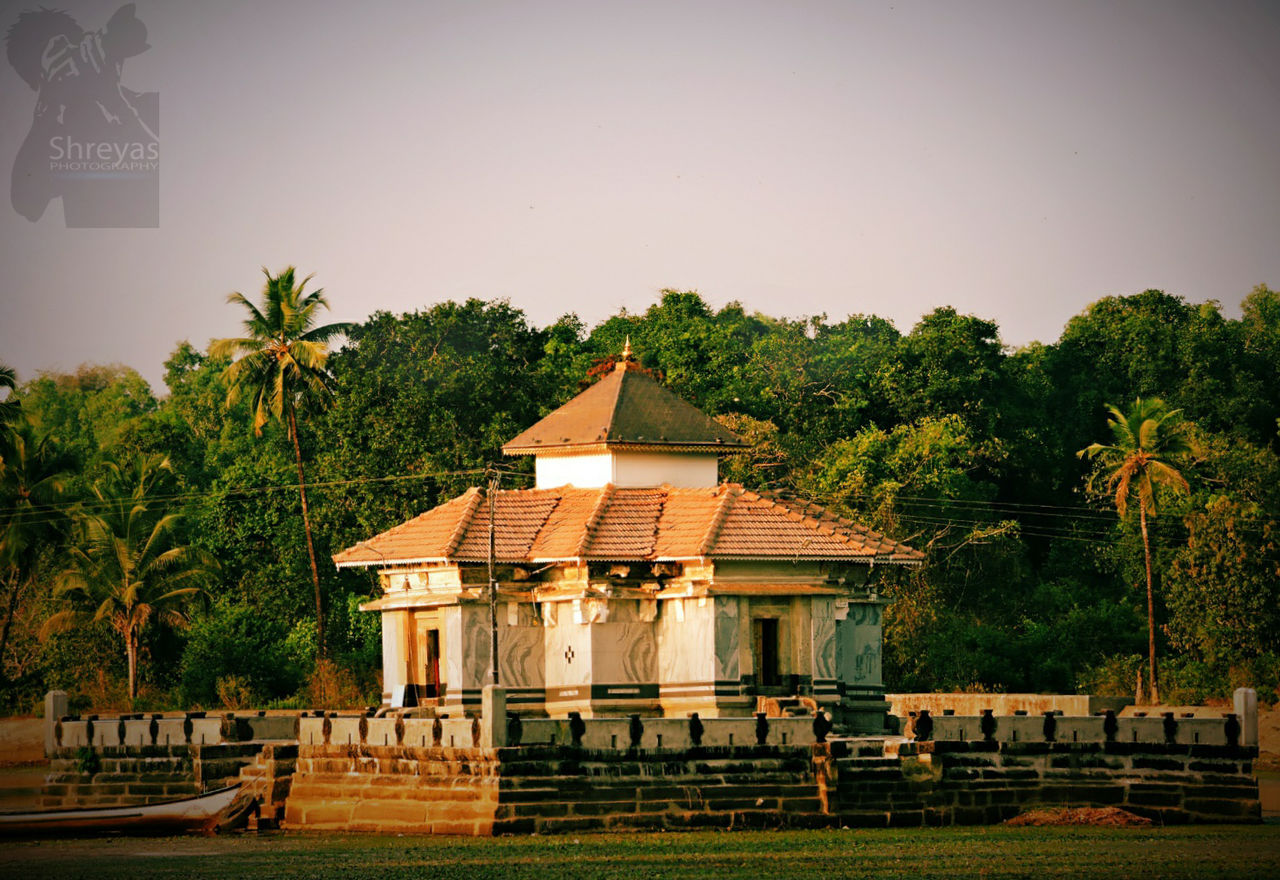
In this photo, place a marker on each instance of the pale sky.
(1017, 160)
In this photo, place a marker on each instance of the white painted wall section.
(628, 470)
(582, 471)
(685, 470)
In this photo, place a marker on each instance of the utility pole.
(494, 477)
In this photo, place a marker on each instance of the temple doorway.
(764, 638)
(431, 652)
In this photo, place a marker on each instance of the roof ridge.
(617, 401)
(593, 519)
(464, 522)
(714, 527)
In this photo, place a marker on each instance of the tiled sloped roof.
(625, 408)
(664, 523)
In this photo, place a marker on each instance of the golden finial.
(626, 349)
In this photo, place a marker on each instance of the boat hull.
(202, 814)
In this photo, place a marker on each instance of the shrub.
(233, 641)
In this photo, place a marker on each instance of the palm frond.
(328, 332)
(59, 621)
(1146, 439)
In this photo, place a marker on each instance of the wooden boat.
(202, 814)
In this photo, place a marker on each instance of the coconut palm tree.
(281, 367)
(9, 408)
(127, 567)
(9, 401)
(1145, 440)
(33, 474)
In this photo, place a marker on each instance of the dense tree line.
(942, 436)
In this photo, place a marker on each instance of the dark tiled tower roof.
(625, 409)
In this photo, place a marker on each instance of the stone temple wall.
(541, 776)
(549, 789)
(498, 773)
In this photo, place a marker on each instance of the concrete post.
(1246, 706)
(493, 717)
(55, 706)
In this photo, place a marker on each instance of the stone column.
(395, 647)
(55, 706)
(859, 639)
(1246, 706)
(493, 717)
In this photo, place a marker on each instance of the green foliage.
(905, 473)
(33, 478)
(89, 412)
(941, 437)
(234, 640)
(1224, 585)
(428, 399)
(126, 566)
(88, 761)
(948, 364)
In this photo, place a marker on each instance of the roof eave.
(544, 560)
(388, 562)
(622, 445)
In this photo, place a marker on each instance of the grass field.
(1216, 852)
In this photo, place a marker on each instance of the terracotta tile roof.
(625, 408)
(663, 523)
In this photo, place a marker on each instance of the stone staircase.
(269, 779)
(786, 707)
(743, 787)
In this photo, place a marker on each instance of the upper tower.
(629, 431)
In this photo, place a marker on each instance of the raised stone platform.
(503, 774)
(854, 783)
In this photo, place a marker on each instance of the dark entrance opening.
(765, 636)
(432, 687)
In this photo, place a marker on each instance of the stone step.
(659, 793)
(718, 767)
(868, 762)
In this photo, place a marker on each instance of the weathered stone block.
(388, 812)
(1234, 810)
(1152, 796)
(1223, 767)
(514, 826)
(961, 815)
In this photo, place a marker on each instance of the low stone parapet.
(392, 730)
(606, 734)
(160, 729)
(902, 705)
(109, 776)
(1052, 727)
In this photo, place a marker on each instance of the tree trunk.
(1151, 606)
(306, 525)
(131, 652)
(14, 585)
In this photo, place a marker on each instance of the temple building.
(631, 580)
